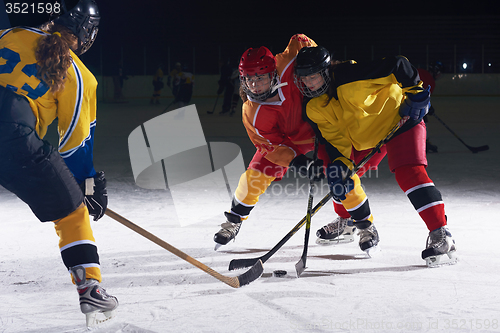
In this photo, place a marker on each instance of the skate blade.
(94, 319)
(373, 251)
(217, 246)
(445, 259)
(343, 239)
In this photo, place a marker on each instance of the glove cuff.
(89, 186)
(345, 161)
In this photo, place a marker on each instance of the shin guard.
(423, 195)
(252, 184)
(77, 243)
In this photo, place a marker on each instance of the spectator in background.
(157, 85)
(174, 79)
(229, 84)
(429, 78)
(185, 92)
(118, 80)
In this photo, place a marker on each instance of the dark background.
(139, 35)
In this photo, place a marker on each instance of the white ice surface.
(340, 291)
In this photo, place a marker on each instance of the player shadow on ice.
(316, 273)
(269, 277)
(115, 326)
(243, 251)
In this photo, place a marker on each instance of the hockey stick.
(242, 263)
(300, 266)
(215, 104)
(252, 274)
(474, 150)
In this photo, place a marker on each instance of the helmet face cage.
(256, 66)
(83, 21)
(311, 72)
(316, 77)
(261, 95)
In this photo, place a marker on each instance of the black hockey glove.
(338, 185)
(96, 195)
(309, 168)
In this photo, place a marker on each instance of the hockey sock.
(356, 202)
(252, 184)
(423, 195)
(77, 243)
(340, 209)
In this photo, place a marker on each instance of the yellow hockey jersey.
(365, 106)
(74, 106)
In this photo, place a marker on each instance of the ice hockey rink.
(340, 291)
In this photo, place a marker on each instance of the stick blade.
(476, 150)
(300, 266)
(242, 263)
(252, 274)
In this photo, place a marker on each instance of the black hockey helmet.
(310, 61)
(436, 67)
(83, 20)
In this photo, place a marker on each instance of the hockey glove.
(417, 105)
(339, 185)
(96, 195)
(309, 168)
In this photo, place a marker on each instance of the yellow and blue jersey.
(74, 106)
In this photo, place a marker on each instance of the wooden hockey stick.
(300, 266)
(252, 274)
(242, 263)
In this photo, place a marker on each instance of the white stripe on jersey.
(432, 204)
(80, 242)
(361, 204)
(70, 152)
(417, 187)
(37, 31)
(78, 106)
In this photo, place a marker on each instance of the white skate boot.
(440, 248)
(93, 298)
(340, 231)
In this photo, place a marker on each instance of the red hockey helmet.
(258, 62)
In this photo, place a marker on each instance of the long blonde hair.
(53, 56)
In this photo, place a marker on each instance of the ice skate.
(340, 231)
(440, 248)
(229, 230)
(93, 298)
(368, 237)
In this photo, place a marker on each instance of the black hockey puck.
(279, 273)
